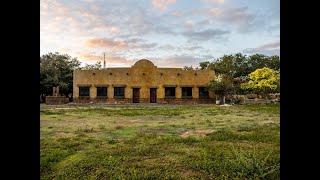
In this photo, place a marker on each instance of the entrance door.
(153, 95)
(136, 95)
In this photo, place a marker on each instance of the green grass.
(160, 142)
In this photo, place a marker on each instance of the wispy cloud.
(162, 4)
(213, 1)
(119, 44)
(272, 48)
(205, 35)
(111, 60)
(239, 18)
(107, 43)
(179, 60)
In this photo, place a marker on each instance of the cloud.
(133, 29)
(135, 43)
(167, 47)
(176, 61)
(206, 35)
(65, 19)
(145, 45)
(243, 19)
(239, 18)
(142, 22)
(236, 15)
(177, 14)
(111, 30)
(189, 24)
(111, 60)
(179, 61)
(192, 48)
(215, 11)
(106, 43)
(213, 1)
(267, 49)
(269, 46)
(162, 4)
(89, 56)
(65, 50)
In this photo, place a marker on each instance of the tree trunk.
(223, 99)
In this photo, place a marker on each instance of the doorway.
(153, 95)
(136, 95)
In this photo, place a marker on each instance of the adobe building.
(142, 83)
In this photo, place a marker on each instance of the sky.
(170, 33)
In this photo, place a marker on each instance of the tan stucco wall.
(135, 78)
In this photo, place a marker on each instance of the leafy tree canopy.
(95, 66)
(57, 70)
(204, 65)
(240, 66)
(187, 68)
(263, 81)
(222, 85)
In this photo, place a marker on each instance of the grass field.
(160, 142)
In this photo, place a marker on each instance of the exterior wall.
(144, 75)
(195, 92)
(93, 92)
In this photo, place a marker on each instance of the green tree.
(263, 81)
(274, 63)
(221, 86)
(204, 65)
(95, 66)
(240, 66)
(57, 70)
(224, 65)
(188, 68)
(258, 61)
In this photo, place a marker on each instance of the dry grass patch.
(198, 133)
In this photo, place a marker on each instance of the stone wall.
(56, 100)
(253, 99)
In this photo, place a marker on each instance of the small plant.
(102, 127)
(119, 127)
(112, 141)
(86, 129)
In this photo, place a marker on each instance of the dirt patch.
(199, 133)
(124, 122)
(133, 122)
(65, 108)
(185, 134)
(156, 131)
(64, 134)
(226, 105)
(189, 174)
(203, 132)
(119, 127)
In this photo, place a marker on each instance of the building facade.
(142, 83)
